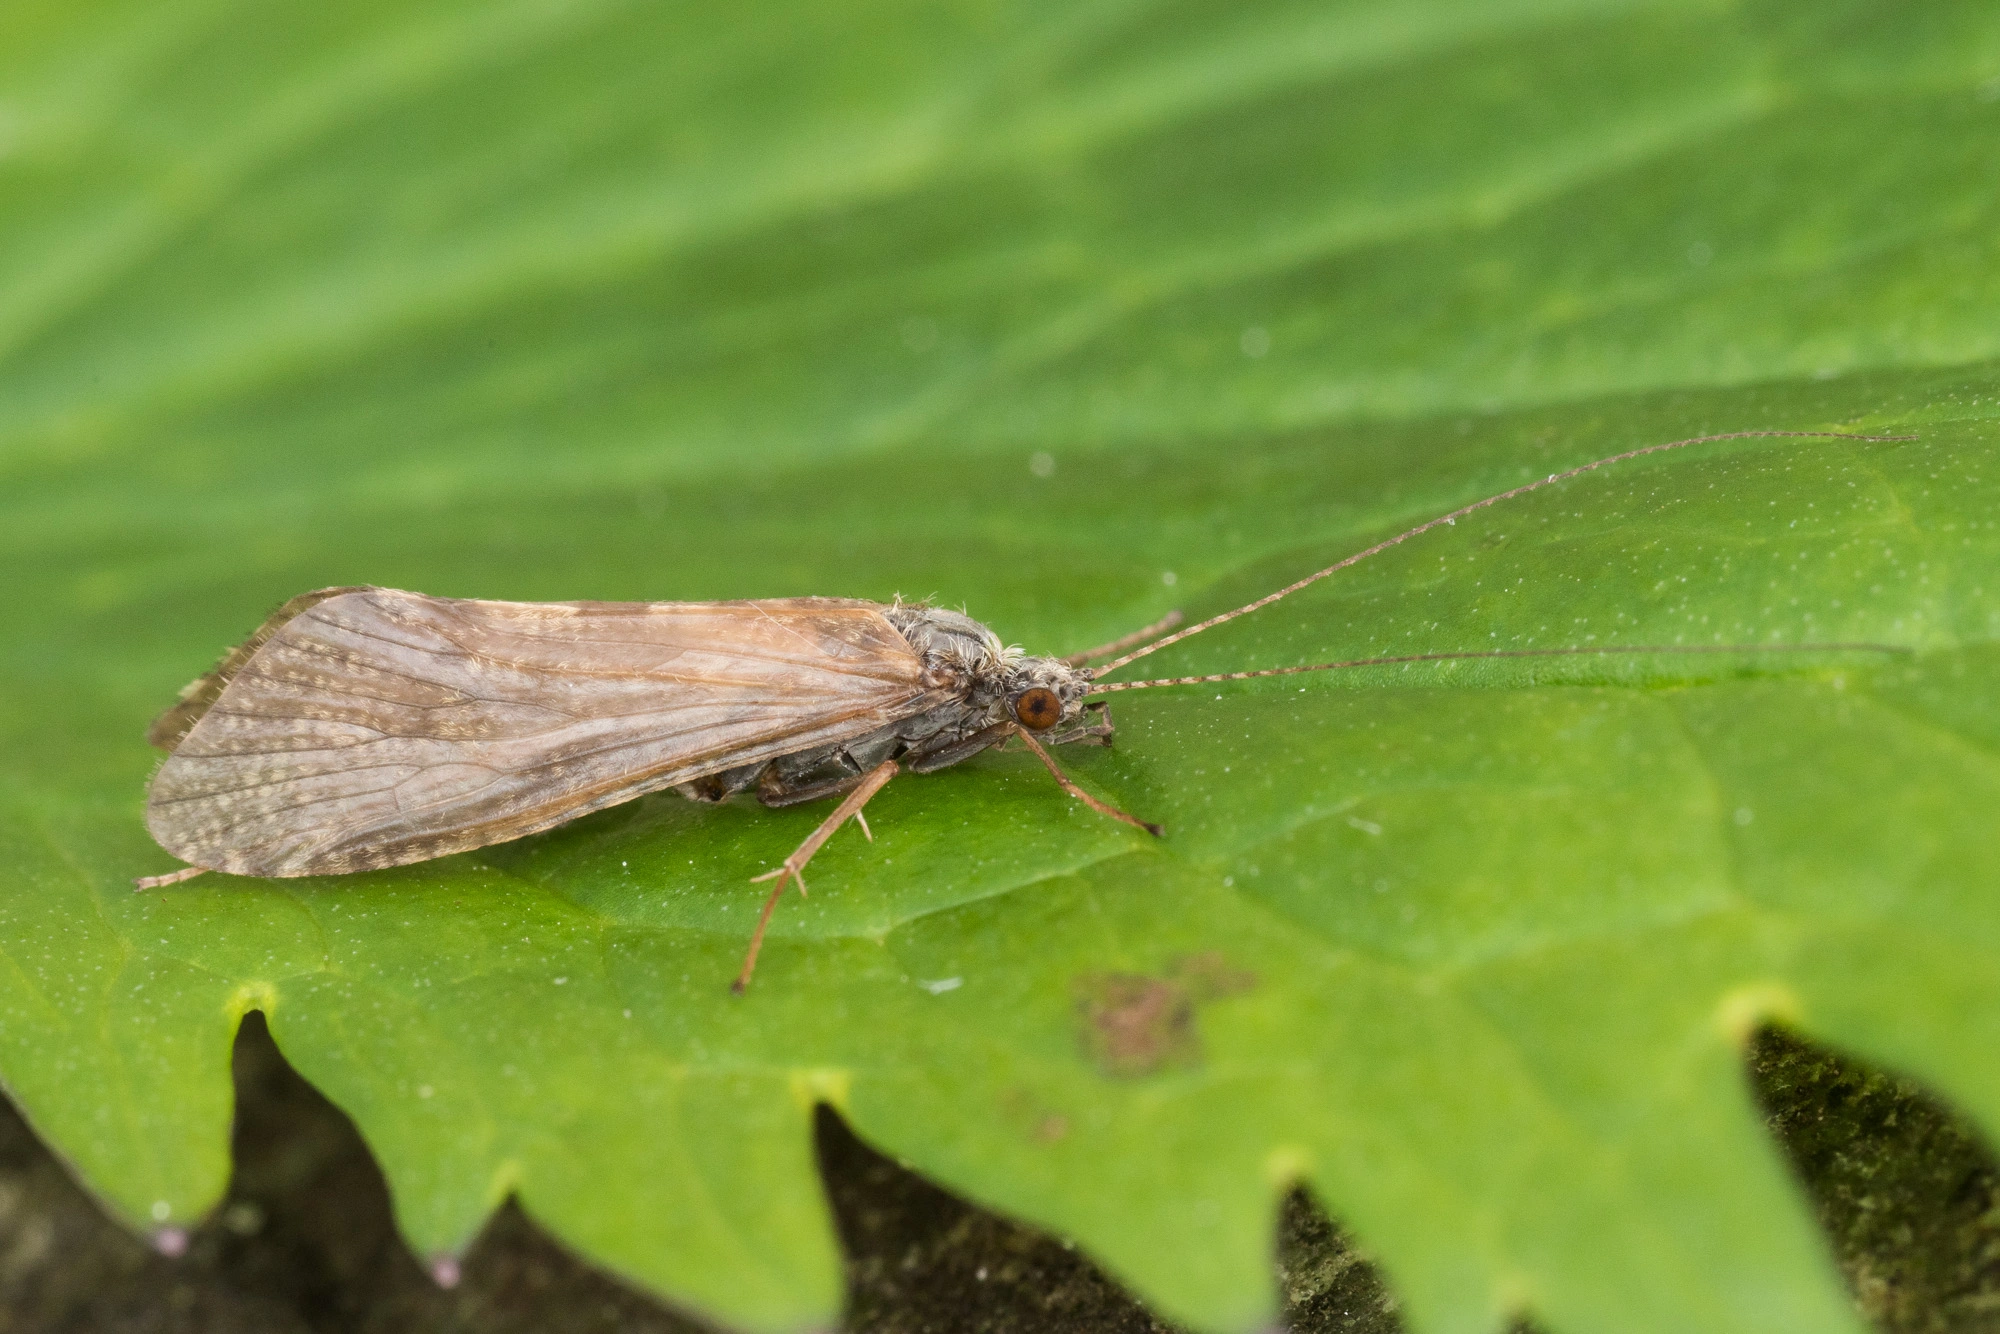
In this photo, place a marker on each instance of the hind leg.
(866, 786)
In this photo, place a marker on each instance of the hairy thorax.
(966, 658)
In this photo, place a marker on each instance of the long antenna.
(1450, 518)
(1503, 653)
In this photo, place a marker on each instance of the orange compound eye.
(1039, 709)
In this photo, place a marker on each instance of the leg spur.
(794, 866)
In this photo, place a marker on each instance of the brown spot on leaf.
(1132, 1024)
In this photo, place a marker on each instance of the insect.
(364, 727)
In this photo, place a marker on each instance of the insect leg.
(1098, 733)
(1119, 645)
(716, 787)
(870, 784)
(170, 878)
(929, 759)
(1100, 807)
(772, 792)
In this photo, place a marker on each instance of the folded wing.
(376, 727)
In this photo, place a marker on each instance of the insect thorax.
(962, 655)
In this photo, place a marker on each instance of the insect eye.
(1038, 709)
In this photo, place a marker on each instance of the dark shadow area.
(922, 1261)
(1327, 1284)
(1907, 1192)
(304, 1242)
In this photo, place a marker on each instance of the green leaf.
(1073, 314)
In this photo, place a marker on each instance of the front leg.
(1097, 734)
(933, 756)
(1102, 808)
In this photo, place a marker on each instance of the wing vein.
(521, 716)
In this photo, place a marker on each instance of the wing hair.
(198, 695)
(376, 727)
